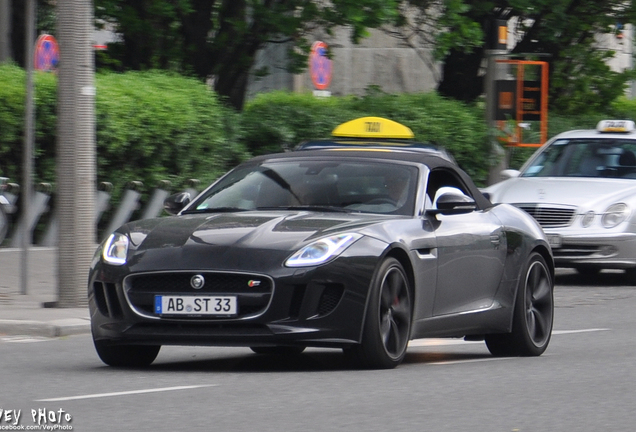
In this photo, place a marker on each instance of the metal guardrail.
(130, 205)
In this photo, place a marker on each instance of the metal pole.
(5, 30)
(27, 163)
(75, 150)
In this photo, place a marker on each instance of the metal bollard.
(39, 204)
(155, 205)
(192, 189)
(102, 198)
(128, 204)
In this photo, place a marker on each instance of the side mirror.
(454, 203)
(508, 174)
(176, 202)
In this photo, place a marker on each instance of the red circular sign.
(320, 66)
(47, 53)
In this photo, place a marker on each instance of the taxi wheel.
(4, 224)
(387, 326)
(533, 314)
(588, 271)
(630, 273)
(278, 350)
(126, 355)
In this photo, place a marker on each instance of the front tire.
(533, 314)
(126, 355)
(387, 326)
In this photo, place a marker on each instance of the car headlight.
(116, 249)
(322, 250)
(615, 215)
(587, 219)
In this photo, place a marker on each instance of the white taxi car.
(581, 188)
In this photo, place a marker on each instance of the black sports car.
(360, 246)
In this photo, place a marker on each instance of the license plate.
(195, 305)
(555, 240)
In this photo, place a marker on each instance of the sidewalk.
(25, 314)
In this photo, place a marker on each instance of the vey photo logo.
(38, 419)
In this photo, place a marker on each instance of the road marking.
(555, 332)
(450, 362)
(457, 341)
(124, 393)
(24, 339)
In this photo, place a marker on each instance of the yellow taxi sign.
(615, 126)
(373, 127)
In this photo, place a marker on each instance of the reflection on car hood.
(567, 191)
(232, 240)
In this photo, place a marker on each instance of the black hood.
(232, 241)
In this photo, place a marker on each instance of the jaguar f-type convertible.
(357, 244)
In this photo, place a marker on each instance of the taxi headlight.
(588, 218)
(116, 249)
(322, 250)
(615, 215)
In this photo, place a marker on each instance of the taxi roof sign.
(373, 127)
(615, 126)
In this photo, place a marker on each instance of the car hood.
(244, 240)
(579, 192)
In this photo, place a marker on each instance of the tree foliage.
(562, 32)
(220, 38)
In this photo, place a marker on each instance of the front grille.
(106, 299)
(550, 216)
(253, 292)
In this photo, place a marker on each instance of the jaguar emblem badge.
(197, 281)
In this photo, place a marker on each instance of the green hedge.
(150, 126)
(277, 121)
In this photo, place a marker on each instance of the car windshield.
(367, 187)
(590, 157)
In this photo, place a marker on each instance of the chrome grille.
(253, 298)
(550, 216)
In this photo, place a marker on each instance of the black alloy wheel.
(533, 314)
(387, 327)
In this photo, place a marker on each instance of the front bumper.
(611, 251)
(322, 306)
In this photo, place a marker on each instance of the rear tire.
(533, 314)
(126, 355)
(387, 326)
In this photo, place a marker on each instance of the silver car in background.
(581, 188)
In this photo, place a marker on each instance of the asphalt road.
(584, 382)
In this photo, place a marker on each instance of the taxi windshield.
(589, 157)
(365, 187)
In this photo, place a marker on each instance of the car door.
(471, 250)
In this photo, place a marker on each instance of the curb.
(49, 329)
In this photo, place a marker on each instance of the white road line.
(443, 342)
(124, 393)
(450, 362)
(554, 332)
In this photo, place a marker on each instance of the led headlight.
(322, 250)
(115, 249)
(615, 215)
